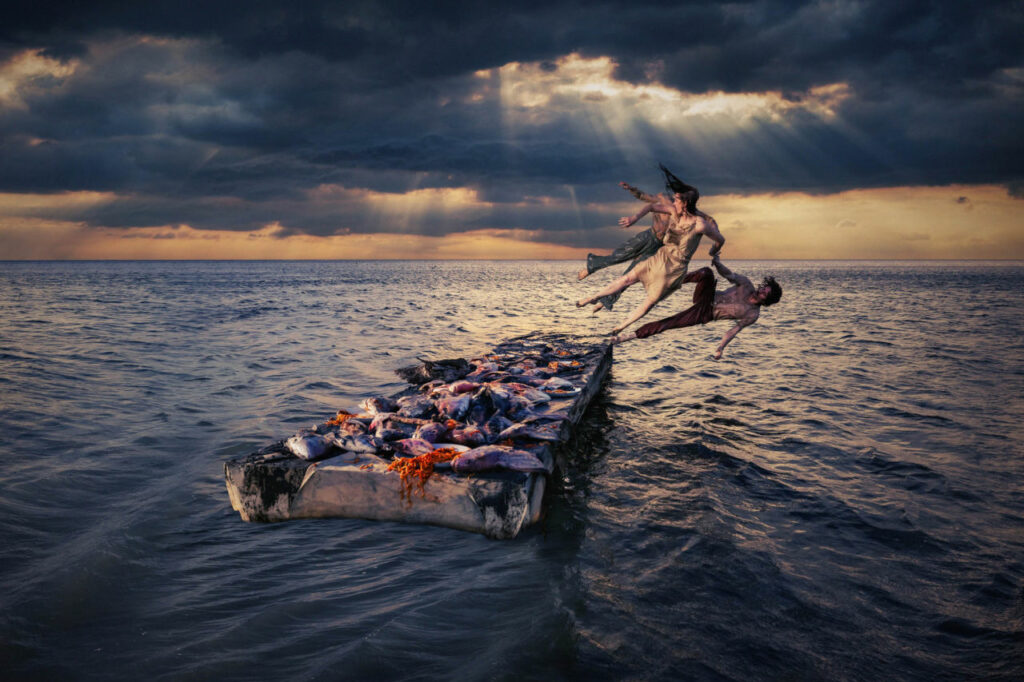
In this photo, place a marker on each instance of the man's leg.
(639, 246)
(700, 312)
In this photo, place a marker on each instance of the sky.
(820, 130)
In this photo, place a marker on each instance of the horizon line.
(443, 260)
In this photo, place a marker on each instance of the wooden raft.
(274, 485)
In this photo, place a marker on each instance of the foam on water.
(838, 499)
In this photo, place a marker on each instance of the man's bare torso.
(734, 303)
(660, 226)
(661, 220)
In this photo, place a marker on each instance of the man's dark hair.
(776, 291)
(674, 185)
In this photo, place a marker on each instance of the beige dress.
(661, 272)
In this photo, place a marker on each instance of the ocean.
(839, 498)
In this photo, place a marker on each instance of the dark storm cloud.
(263, 104)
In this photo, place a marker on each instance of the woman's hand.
(626, 221)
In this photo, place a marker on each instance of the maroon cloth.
(701, 312)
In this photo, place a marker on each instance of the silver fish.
(496, 457)
(430, 386)
(490, 399)
(388, 434)
(470, 435)
(462, 386)
(558, 383)
(494, 426)
(431, 431)
(519, 408)
(413, 447)
(485, 366)
(380, 419)
(454, 407)
(416, 406)
(547, 431)
(527, 379)
(485, 371)
(308, 445)
(378, 405)
(528, 392)
(358, 443)
(353, 426)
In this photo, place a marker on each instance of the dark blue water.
(840, 498)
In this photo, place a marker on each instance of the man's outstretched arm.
(729, 336)
(628, 221)
(638, 193)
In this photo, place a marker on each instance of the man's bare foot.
(597, 307)
(622, 337)
(582, 302)
(582, 275)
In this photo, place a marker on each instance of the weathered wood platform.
(274, 485)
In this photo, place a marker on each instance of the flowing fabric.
(662, 273)
(639, 247)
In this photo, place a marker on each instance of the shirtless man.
(637, 248)
(741, 302)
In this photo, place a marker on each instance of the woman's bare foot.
(582, 302)
(582, 275)
(597, 307)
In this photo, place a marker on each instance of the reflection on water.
(835, 499)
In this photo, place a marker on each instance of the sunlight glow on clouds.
(590, 83)
(12, 204)
(642, 121)
(195, 145)
(29, 71)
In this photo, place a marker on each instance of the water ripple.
(834, 499)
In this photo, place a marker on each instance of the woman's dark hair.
(776, 291)
(674, 185)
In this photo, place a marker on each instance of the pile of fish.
(497, 407)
